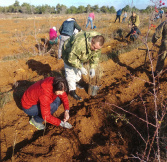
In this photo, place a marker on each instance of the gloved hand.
(84, 71)
(92, 73)
(65, 125)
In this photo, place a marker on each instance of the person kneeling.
(53, 39)
(134, 33)
(43, 98)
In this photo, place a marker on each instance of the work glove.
(92, 73)
(65, 125)
(84, 71)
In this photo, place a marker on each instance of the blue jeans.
(91, 21)
(123, 20)
(35, 110)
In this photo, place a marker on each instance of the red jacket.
(42, 92)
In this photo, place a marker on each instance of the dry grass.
(5, 98)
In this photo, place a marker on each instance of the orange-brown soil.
(97, 134)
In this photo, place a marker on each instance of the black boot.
(78, 86)
(74, 95)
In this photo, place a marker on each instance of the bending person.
(53, 36)
(66, 30)
(79, 49)
(43, 98)
(90, 20)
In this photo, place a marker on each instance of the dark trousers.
(35, 110)
(118, 17)
(129, 33)
(134, 29)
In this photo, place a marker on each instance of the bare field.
(95, 135)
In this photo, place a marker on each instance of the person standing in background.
(118, 16)
(161, 12)
(124, 16)
(91, 18)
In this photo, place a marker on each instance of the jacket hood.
(70, 19)
(52, 30)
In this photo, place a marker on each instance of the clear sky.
(140, 4)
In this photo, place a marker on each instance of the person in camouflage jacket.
(161, 30)
(134, 22)
(79, 49)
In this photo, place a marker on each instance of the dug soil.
(100, 129)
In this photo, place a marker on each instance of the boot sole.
(35, 126)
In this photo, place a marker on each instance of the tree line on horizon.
(62, 9)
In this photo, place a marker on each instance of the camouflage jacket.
(161, 31)
(76, 50)
(134, 20)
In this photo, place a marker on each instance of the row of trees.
(62, 9)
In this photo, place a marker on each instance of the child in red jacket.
(43, 98)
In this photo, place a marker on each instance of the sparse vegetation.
(5, 98)
(99, 133)
(16, 57)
